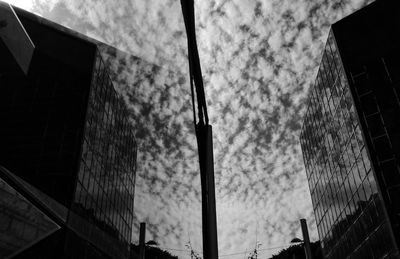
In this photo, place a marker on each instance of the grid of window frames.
(348, 210)
(376, 88)
(105, 187)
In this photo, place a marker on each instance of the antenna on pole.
(254, 254)
(256, 232)
(193, 254)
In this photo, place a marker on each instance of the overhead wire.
(264, 249)
(224, 255)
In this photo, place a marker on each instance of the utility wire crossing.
(224, 255)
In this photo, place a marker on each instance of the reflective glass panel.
(21, 223)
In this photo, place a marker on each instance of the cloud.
(259, 59)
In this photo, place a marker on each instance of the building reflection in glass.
(106, 180)
(67, 133)
(348, 210)
(22, 224)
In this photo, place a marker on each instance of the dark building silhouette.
(151, 252)
(67, 149)
(297, 252)
(351, 136)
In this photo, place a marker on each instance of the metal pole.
(205, 145)
(204, 137)
(142, 238)
(306, 238)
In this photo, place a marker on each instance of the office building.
(67, 149)
(351, 136)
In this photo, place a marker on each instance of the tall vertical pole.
(306, 238)
(142, 238)
(204, 137)
(205, 145)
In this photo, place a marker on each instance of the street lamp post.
(142, 238)
(306, 239)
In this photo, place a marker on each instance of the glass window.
(336, 159)
(21, 222)
(369, 105)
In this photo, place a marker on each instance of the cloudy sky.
(259, 58)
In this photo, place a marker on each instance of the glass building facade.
(350, 137)
(106, 179)
(347, 207)
(66, 132)
(21, 222)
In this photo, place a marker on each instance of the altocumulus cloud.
(259, 59)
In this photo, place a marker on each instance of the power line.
(224, 255)
(173, 249)
(264, 249)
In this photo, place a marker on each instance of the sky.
(259, 59)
